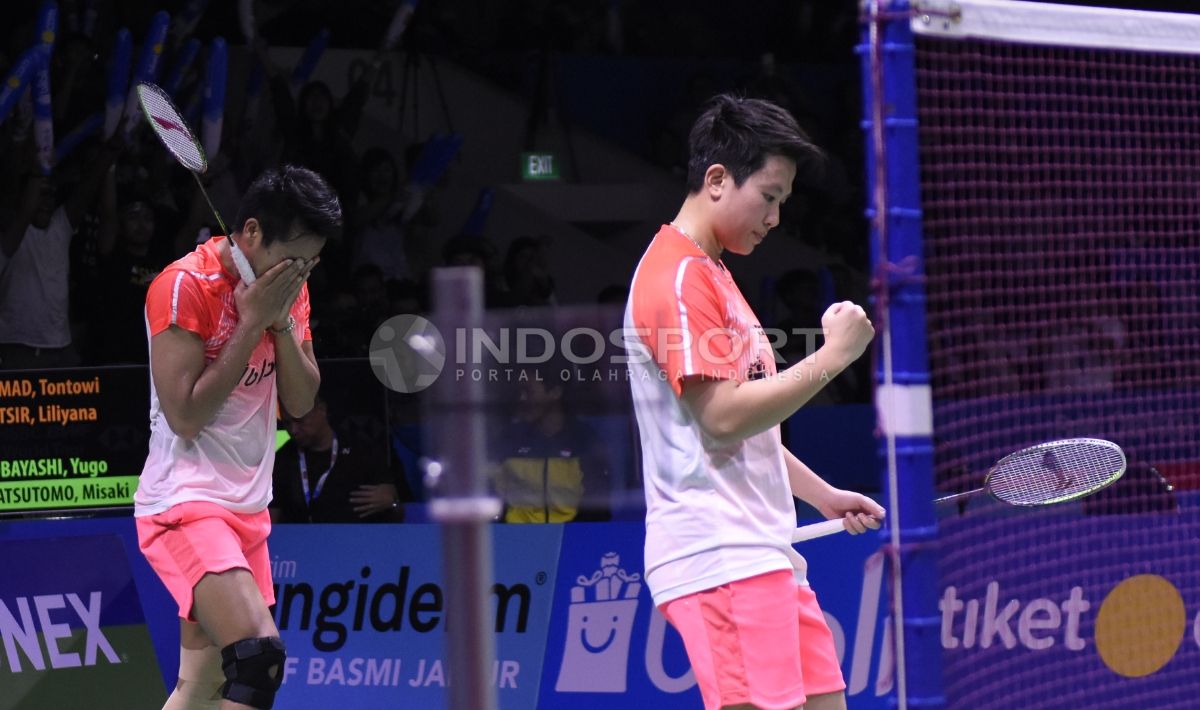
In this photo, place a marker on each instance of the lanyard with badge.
(333, 452)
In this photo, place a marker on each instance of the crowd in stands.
(83, 236)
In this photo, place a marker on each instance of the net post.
(903, 400)
(454, 412)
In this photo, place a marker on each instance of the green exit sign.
(539, 166)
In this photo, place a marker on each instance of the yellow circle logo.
(1140, 625)
(157, 48)
(48, 37)
(14, 82)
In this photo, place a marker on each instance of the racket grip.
(808, 532)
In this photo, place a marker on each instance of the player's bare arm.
(295, 362)
(857, 511)
(191, 392)
(728, 410)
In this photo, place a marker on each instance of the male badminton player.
(222, 353)
(719, 483)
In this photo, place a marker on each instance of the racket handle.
(808, 532)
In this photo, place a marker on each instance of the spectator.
(551, 469)
(404, 296)
(377, 227)
(34, 258)
(467, 250)
(321, 477)
(125, 275)
(317, 130)
(526, 273)
(361, 315)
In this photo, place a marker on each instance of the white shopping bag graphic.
(599, 629)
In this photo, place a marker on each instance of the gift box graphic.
(599, 630)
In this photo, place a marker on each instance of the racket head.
(1055, 472)
(172, 131)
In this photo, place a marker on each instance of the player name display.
(69, 440)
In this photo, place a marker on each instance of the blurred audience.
(526, 273)
(34, 263)
(375, 226)
(551, 466)
(79, 245)
(324, 476)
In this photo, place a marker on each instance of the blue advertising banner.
(1094, 610)
(362, 611)
(361, 608)
(72, 628)
(608, 643)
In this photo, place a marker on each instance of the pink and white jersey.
(231, 461)
(715, 513)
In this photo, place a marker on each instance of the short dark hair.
(741, 133)
(291, 196)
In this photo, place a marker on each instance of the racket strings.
(1056, 472)
(171, 129)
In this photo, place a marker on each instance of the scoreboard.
(72, 439)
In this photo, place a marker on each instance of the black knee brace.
(253, 671)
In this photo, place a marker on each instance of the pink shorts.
(747, 645)
(190, 540)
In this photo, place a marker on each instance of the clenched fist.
(848, 331)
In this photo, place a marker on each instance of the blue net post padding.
(897, 261)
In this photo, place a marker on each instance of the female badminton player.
(222, 353)
(719, 483)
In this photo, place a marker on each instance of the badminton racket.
(1045, 474)
(181, 143)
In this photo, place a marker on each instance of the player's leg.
(215, 564)
(200, 674)
(823, 681)
(230, 607)
(826, 701)
(742, 643)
